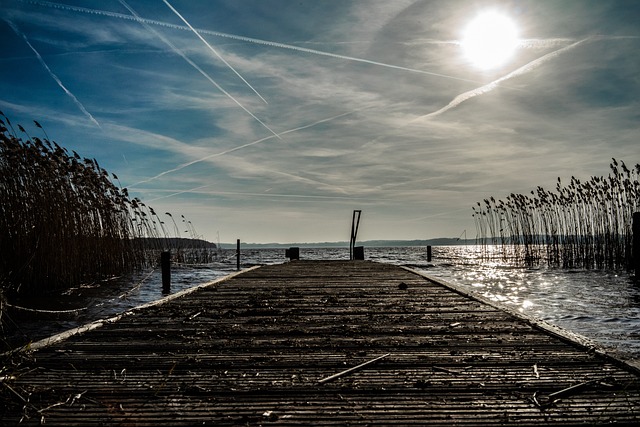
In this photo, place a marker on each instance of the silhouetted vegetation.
(582, 225)
(64, 222)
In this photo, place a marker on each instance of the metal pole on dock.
(355, 223)
(238, 254)
(635, 251)
(165, 265)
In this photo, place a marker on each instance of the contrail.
(274, 195)
(53, 76)
(194, 65)
(422, 218)
(137, 18)
(543, 43)
(213, 50)
(494, 84)
(231, 150)
(309, 180)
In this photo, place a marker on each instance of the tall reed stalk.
(63, 221)
(580, 225)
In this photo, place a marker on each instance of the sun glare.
(489, 40)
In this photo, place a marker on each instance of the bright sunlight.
(489, 40)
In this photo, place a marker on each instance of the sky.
(273, 120)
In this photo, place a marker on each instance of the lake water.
(603, 306)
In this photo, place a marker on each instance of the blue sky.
(271, 121)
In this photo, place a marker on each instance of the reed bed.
(64, 222)
(580, 225)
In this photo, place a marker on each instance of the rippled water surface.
(603, 306)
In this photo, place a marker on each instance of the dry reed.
(64, 222)
(581, 225)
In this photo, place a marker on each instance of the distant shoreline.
(445, 241)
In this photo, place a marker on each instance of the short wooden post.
(292, 253)
(238, 254)
(635, 252)
(429, 253)
(358, 253)
(165, 265)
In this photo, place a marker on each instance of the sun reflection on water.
(601, 305)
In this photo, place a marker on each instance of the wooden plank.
(251, 350)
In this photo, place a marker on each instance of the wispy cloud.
(240, 147)
(148, 139)
(52, 74)
(195, 66)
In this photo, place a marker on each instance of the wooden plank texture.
(253, 349)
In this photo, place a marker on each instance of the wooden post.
(429, 253)
(165, 264)
(238, 254)
(293, 253)
(358, 252)
(635, 251)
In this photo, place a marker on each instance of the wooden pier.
(276, 345)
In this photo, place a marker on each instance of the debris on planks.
(351, 370)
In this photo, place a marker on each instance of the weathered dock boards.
(252, 350)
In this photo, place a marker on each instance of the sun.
(490, 40)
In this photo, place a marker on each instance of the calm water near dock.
(603, 306)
